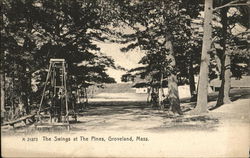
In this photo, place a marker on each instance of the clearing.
(223, 132)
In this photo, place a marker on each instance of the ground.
(224, 130)
(138, 115)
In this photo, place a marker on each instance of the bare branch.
(232, 4)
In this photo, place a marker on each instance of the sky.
(130, 59)
(126, 60)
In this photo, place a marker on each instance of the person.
(19, 110)
(56, 110)
(154, 98)
(166, 102)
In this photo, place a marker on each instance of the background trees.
(165, 46)
(231, 17)
(225, 59)
(148, 20)
(167, 32)
(35, 31)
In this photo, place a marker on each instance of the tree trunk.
(26, 90)
(173, 94)
(201, 106)
(149, 94)
(223, 96)
(2, 85)
(150, 91)
(160, 94)
(218, 62)
(86, 95)
(227, 84)
(192, 82)
(248, 67)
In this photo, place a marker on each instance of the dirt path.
(131, 116)
(223, 132)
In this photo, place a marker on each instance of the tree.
(153, 32)
(35, 31)
(207, 41)
(14, 47)
(154, 72)
(2, 74)
(127, 77)
(227, 22)
(201, 106)
(173, 94)
(2, 86)
(223, 96)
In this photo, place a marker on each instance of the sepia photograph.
(125, 78)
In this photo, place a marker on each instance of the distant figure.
(57, 108)
(154, 98)
(21, 108)
(166, 103)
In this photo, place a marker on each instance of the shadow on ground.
(137, 115)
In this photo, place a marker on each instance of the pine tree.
(35, 31)
(152, 23)
(201, 106)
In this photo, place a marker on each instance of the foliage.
(152, 22)
(235, 38)
(35, 31)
